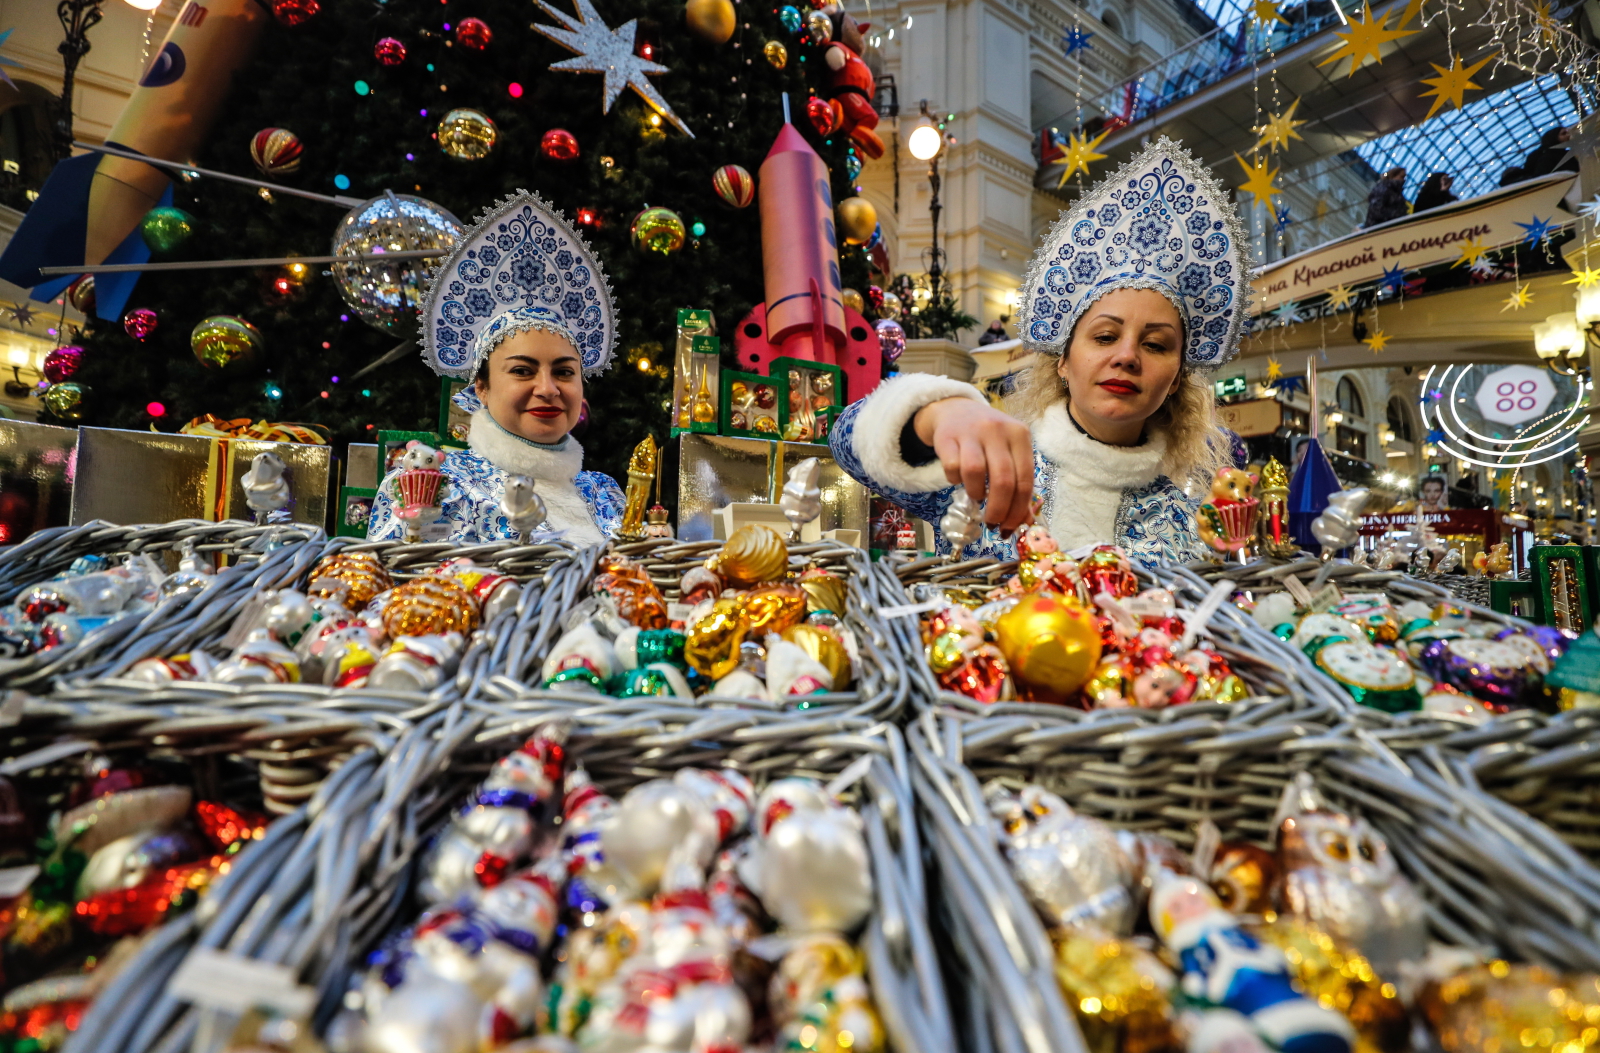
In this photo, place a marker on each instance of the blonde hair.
(1196, 446)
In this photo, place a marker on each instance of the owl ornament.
(1072, 867)
(1339, 876)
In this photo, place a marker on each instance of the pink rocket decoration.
(804, 315)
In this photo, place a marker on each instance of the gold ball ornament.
(712, 647)
(825, 591)
(712, 20)
(823, 645)
(857, 220)
(820, 27)
(224, 342)
(658, 230)
(351, 578)
(854, 300)
(65, 400)
(467, 135)
(773, 608)
(891, 305)
(1052, 647)
(777, 55)
(753, 555)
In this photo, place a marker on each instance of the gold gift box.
(717, 470)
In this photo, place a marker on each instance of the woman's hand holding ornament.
(987, 451)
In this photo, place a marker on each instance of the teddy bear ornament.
(1227, 521)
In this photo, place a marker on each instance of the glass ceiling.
(1476, 143)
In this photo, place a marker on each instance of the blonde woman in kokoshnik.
(523, 311)
(1134, 296)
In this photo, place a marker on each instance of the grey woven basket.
(326, 883)
(1491, 877)
(259, 557)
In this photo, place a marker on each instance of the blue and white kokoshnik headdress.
(519, 268)
(1160, 222)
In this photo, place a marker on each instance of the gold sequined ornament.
(1119, 992)
(1342, 980)
(1505, 1008)
(430, 606)
(467, 135)
(351, 578)
(754, 554)
(712, 648)
(824, 646)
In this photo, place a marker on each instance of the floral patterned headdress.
(1161, 222)
(520, 267)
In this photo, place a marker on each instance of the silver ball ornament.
(386, 293)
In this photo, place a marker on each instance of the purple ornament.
(891, 338)
(1552, 641)
(1494, 672)
(139, 322)
(61, 363)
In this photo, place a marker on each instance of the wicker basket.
(174, 629)
(1491, 877)
(883, 674)
(326, 883)
(257, 556)
(1545, 765)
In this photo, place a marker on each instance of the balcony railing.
(1201, 63)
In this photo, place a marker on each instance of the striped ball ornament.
(276, 151)
(734, 185)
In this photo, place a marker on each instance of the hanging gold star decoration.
(1545, 20)
(1274, 371)
(1504, 483)
(1259, 181)
(1521, 297)
(1471, 253)
(1279, 129)
(1265, 11)
(1363, 39)
(1377, 341)
(1452, 83)
(1584, 277)
(1339, 297)
(1080, 152)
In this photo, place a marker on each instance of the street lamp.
(1557, 336)
(77, 18)
(924, 143)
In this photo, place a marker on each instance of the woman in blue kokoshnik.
(522, 310)
(1135, 295)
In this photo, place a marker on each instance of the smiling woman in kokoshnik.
(1134, 296)
(522, 311)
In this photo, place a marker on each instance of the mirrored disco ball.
(386, 293)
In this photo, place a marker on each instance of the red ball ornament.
(389, 51)
(276, 151)
(558, 144)
(821, 115)
(80, 294)
(473, 33)
(294, 12)
(734, 186)
(139, 322)
(61, 363)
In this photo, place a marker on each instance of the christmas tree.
(366, 127)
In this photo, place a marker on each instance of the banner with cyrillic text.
(1494, 220)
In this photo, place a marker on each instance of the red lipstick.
(548, 412)
(1118, 386)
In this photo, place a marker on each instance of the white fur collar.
(1091, 476)
(510, 454)
(552, 471)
